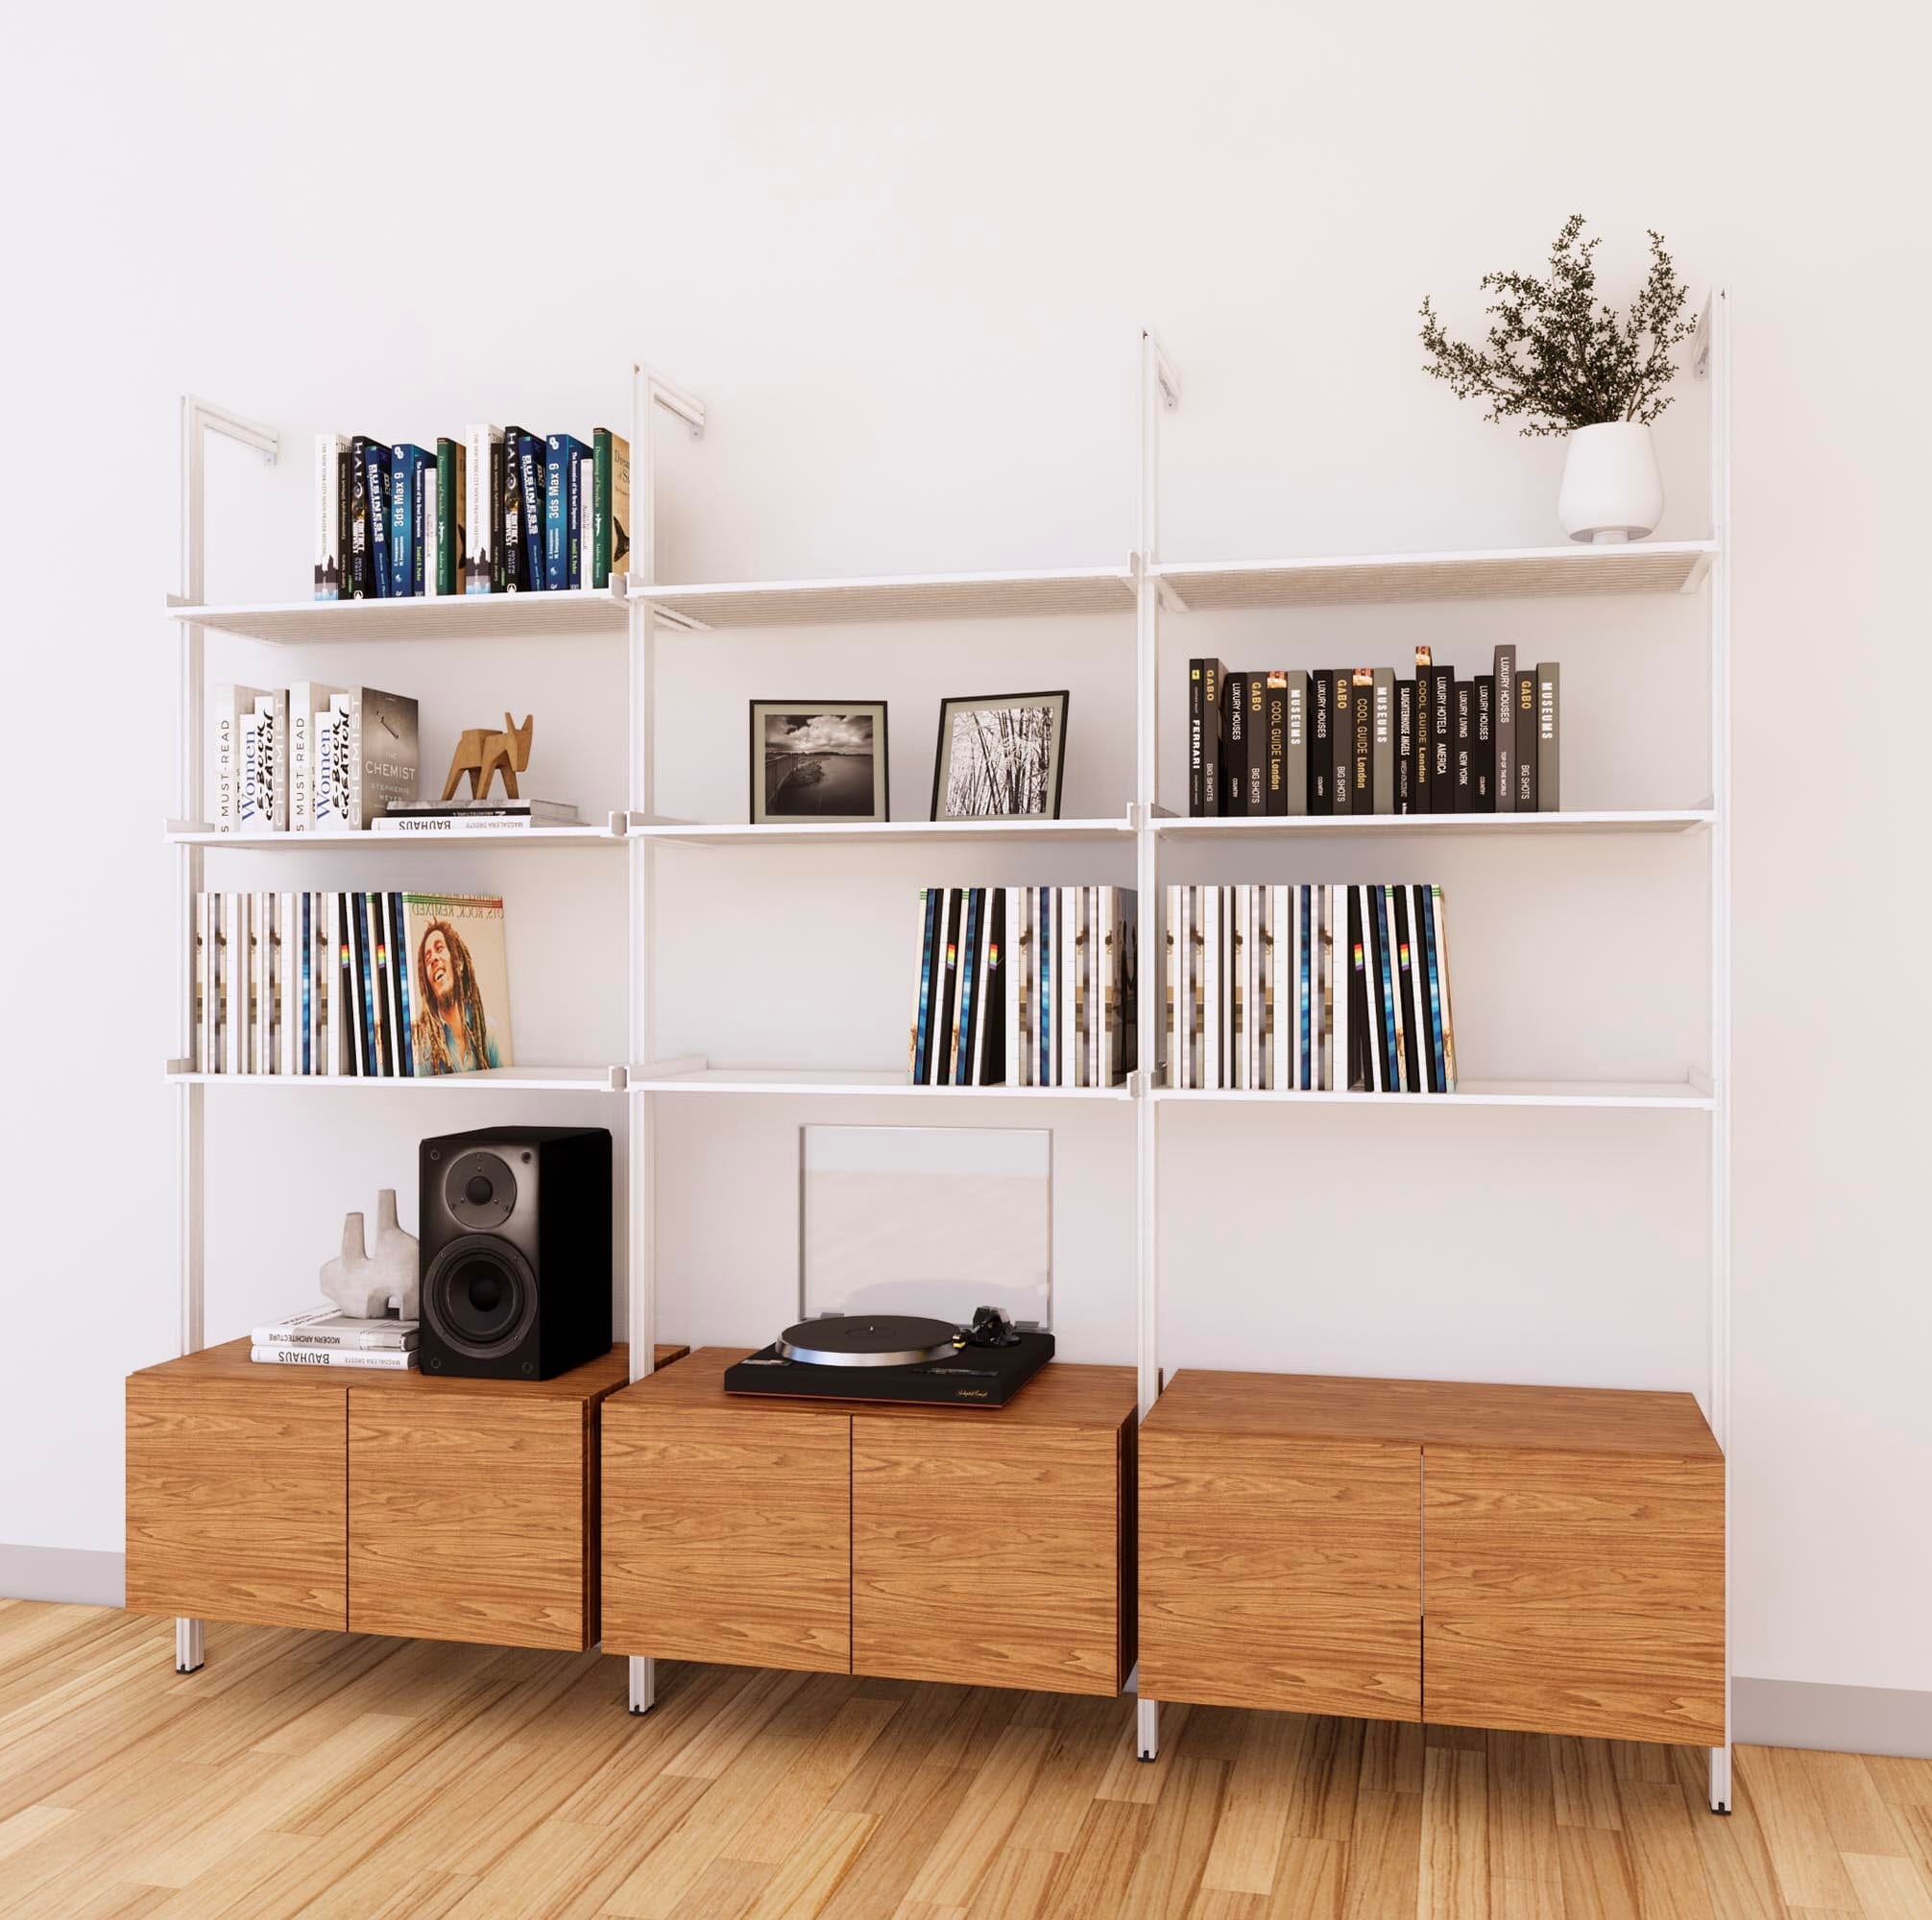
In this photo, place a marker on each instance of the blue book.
(399, 920)
(531, 472)
(377, 485)
(1304, 965)
(405, 518)
(1425, 900)
(581, 459)
(969, 986)
(561, 457)
(308, 958)
(1045, 926)
(921, 1068)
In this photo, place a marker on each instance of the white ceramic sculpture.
(365, 1287)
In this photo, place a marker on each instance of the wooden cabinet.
(379, 1502)
(1546, 1559)
(990, 1544)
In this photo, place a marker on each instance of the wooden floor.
(324, 1774)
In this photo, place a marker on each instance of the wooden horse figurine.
(483, 754)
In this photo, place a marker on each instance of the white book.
(1439, 914)
(327, 1327)
(1340, 969)
(1069, 899)
(463, 823)
(307, 699)
(1010, 984)
(1211, 1012)
(234, 983)
(262, 800)
(1282, 1029)
(1238, 991)
(329, 449)
(1190, 1006)
(333, 1357)
(432, 527)
(261, 988)
(481, 521)
(582, 574)
(228, 703)
(1106, 1054)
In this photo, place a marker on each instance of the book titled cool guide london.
(351, 985)
(1366, 740)
(479, 513)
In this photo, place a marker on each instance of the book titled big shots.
(1348, 740)
(381, 986)
(1311, 989)
(1024, 987)
(499, 511)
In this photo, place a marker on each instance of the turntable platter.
(869, 1340)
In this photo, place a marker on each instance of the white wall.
(904, 254)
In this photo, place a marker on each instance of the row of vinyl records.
(501, 510)
(349, 985)
(1316, 988)
(1026, 987)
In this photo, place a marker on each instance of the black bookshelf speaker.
(515, 1250)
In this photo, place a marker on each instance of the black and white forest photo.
(1000, 758)
(816, 763)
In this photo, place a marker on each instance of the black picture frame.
(1053, 700)
(761, 812)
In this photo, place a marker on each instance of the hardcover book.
(1485, 686)
(610, 540)
(1362, 748)
(563, 459)
(1296, 774)
(1194, 808)
(1549, 737)
(1466, 747)
(483, 511)
(510, 514)
(1505, 683)
(408, 466)
(1442, 739)
(1525, 740)
(452, 516)
(1234, 745)
(1381, 745)
(330, 448)
(1321, 747)
(325, 1326)
(1255, 798)
(1342, 739)
(1274, 736)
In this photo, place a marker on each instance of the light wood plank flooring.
(326, 1774)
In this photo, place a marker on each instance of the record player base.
(368, 1502)
(984, 1546)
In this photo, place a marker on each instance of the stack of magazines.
(326, 1338)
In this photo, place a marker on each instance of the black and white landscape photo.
(812, 763)
(999, 758)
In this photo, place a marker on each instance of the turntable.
(897, 1357)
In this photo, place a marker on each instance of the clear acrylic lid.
(934, 1220)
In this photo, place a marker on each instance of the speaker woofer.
(480, 1296)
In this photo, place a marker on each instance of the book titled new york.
(1234, 744)
(1464, 742)
(1505, 681)
(562, 460)
(1549, 737)
(1485, 686)
(1275, 738)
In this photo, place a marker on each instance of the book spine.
(451, 505)
(326, 1356)
(556, 514)
(1213, 675)
(1342, 730)
(530, 472)
(1234, 745)
(584, 516)
(382, 479)
(1505, 683)
(1440, 918)
(1395, 987)
(1527, 794)
(1486, 742)
(328, 519)
(1194, 808)
(1442, 739)
(275, 762)
(510, 512)
(379, 1340)
(1361, 741)
(429, 538)
(1549, 737)
(361, 563)
(1294, 770)
(600, 494)
(1274, 739)
(1464, 760)
(1308, 987)
(1254, 801)
(1320, 751)
(403, 522)
(1382, 746)
(1439, 1078)
(969, 980)
(223, 700)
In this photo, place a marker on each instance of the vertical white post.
(649, 393)
(196, 419)
(1714, 364)
(1158, 387)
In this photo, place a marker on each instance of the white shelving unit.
(1148, 588)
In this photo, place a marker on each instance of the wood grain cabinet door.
(727, 1535)
(235, 1502)
(1281, 1573)
(469, 1518)
(1575, 1594)
(987, 1553)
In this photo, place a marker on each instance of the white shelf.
(1500, 573)
(497, 1079)
(1678, 1093)
(834, 1080)
(867, 832)
(1685, 820)
(299, 843)
(449, 616)
(889, 597)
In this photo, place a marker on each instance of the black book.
(946, 994)
(1321, 754)
(971, 984)
(1405, 746)
(1212, 674)
(347, 1039)
(345, 489)
(1442, 739)
(1194, 808)
(1549, 737)
(932, 920)
(1418, 785)
(1361, 1076)
(1525, 740)
(1484, 685)
(500, 478)
(1405, 987)
(531, 480)
(1382, 1067)
(992, 1060)
(1341, 738)
(1422, 1023)
(1274, 736)
(515, 565)
(359, 529)
(1506, 729)
(1234, 745)
(1361, 741)
(1255, 795)
(1463, 756)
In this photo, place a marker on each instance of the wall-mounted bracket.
(1700, 343)
(686, 407)
(1169, 380)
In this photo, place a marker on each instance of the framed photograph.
(820, 760)
(999, 757)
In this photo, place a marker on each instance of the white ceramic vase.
(1612, 488)
(366, 1286)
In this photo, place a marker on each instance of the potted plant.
(1565, 362)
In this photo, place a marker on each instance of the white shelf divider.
(609, 835)
(443, 616)
(841, 1081)
(1685, 820)
(875, 832)
(492, 1080)
(1678, 1093)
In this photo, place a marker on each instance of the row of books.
(309, 758)
(1024, 987)
(325, 1337)
(1316, 988)
(354, 984)
(501, 510)
(1366, 740)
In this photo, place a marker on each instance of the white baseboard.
(62, 1573)
(1838, 1719)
